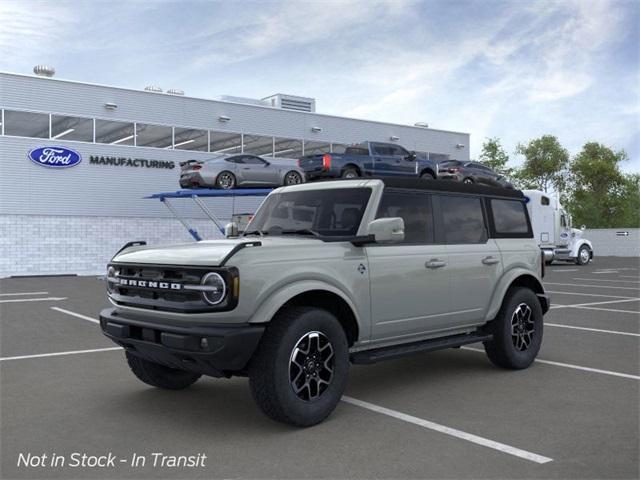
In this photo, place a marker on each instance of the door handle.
(246, 168)
(490, 260)
(435, 263)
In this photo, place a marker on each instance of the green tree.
(494, 156)
(601, 196)
(544, 165)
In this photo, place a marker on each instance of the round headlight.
(111, 273)
(216, 288)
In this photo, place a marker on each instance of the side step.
(397, 351)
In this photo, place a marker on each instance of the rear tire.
(427, 176)
(468, 180)
(226, 180)
(350, 172)
(517, 330)
(160, 376)
(292, 178)
(299, 371)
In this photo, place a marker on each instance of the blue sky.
(515, 69)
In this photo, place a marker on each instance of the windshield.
(327, 212)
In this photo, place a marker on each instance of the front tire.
(517, 330)
(226, 180)
(468, 181)
(299, 371)
(160, 376)
(584, 255)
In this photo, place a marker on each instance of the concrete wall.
(607, 242)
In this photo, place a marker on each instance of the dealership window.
(314, 148)
(509, 216)
(258, 145)
(225, 142)
(463, 219)
(415, 209)
(157, 136)
(26, 124)
(71, 128)
(287, 148)
(190, 139)
(437, 157)
(114, 133)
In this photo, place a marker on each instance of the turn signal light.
(326, 161)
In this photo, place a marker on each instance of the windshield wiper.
(301, 231)
(254, 232)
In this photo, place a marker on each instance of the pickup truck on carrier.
(369, 159)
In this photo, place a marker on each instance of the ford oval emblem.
(55, 157)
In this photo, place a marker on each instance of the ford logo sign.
(55, 157)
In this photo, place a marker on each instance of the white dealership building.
(129, 144)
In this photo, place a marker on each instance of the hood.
(209, 253)
(576, 233)
(200, 253)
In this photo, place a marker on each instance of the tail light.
(299, 162)
(326, 161)
(453, 170)
(196, 167)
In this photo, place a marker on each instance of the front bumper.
(227, 349)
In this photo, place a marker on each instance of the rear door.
(410, 280)
(474, 259)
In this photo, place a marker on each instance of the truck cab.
(553, 230)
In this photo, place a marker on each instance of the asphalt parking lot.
(447, 414)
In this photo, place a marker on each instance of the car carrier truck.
(553, 231)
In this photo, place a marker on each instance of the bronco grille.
(166, 288)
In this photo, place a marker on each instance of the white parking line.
(23, 293)
(605, 272)
(628, 276)
(48, 299)
(592, 286)
(74, 314)
(605, 280)
(568, 270)
(569, 365)
(586, 329)
(586, 294)
(58, 354)
(595, 303)
(485, 442)
(632, 312)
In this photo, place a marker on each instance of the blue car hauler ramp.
(197, 194)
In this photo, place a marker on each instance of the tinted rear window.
(356, 151)
(463, 220)
(509, 217)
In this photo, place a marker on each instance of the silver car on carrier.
(240, 170)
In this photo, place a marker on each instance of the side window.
(234, 160)
(509, 217)
(252, 160)
(463, 220)
(415, 209)
(399, 151)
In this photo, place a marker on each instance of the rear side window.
(510, 218)
(415, 209)
(356, 151)
(463, 220)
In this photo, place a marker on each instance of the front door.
(410, 280)
(255, 170)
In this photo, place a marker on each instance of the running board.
(397, 351)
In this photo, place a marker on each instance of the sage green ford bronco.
(328, 274)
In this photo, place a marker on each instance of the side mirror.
(583, 228)
(387, 230)
(231, 230)
(412, 156)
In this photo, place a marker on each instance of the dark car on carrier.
(471, 172)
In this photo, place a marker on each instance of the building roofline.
(231, 103)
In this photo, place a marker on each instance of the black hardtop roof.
(450, 186)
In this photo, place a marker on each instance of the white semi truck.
(553, 231)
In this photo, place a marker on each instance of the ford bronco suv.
(328, 274)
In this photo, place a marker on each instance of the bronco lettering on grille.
(150, 284)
